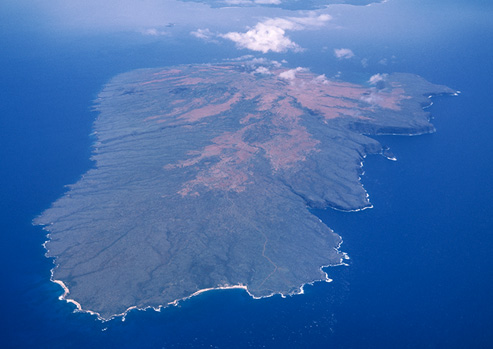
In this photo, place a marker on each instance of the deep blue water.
(421, 269)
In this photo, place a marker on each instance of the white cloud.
(261, 66)
(312, 20)
(268, 2)
(291, 73)
(374, 79)
(239, 59)
(204, 34)
(268, 62)
(263, 71)
(343, 53)
(373, 98)
(263, 38)
(252, 2)
(270, 35)
(153, 32)
(322, 79)
(238, 2)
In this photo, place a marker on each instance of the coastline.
(79, 308)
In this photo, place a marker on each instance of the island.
(204, 177)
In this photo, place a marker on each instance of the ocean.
(420, 272)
